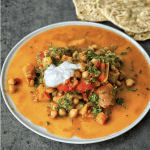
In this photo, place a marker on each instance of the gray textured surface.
(21, 17)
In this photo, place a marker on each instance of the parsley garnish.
(120, 101)
(81, 105)
(148, 89)
(124, 53)
(47, 123)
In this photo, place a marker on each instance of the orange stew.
(107, 93)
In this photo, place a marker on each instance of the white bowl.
(40, 130)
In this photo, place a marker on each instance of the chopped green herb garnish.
(36, 85)
(100, 99)
(60, 116)
(126, 107)
(148, 89)
(81, 105)
(136, 75)
(111, 45)
(128, 88)
(103, 92)
(93, 80)
(120, 101)
(140, 71)
(124, 53)
(49, 106)
(71, 120)
(131, 69)
(47, 123)
(78, 128)
(133, 89)
(76, 55)
(31, 47)
(128, 48)
(31, 91)
(27, 72)
(47, 55)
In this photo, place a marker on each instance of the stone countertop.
(21, 17)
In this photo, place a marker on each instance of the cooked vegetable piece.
(130, 82)
(101, 118)
(42, 94)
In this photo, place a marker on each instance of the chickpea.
(70, 59)
(31, 82)
(83, 58)
(50, 90)
(85, 74)
(54, 113)
(118, 83)
(130, 82)
(94, 61)
(55, 99)
(62, 112)
(95, 46)
(75, 100)
(73, 113)
(91, 48)
(60, 94)
(82, 67)
(54, 105)
(77, 74)
(11, 81)
(12, 88)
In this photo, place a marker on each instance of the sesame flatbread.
(139, 36)
(132, 16)
(86, 10)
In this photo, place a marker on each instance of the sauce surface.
(121, 116)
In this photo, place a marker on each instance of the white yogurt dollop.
(56, 75)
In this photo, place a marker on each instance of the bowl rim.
(22, 119)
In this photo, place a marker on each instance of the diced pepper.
(63, 87)
(42, 54)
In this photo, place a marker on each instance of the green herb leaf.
(81, 105)
(124, 53)
(47, 123)
(148, 89)
(120, 101)
(103, 92)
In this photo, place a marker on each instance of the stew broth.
(86, 128)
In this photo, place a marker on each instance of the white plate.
(42, 131)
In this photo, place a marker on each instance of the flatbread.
(139, 36)
(86, 10)
(132, 16)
